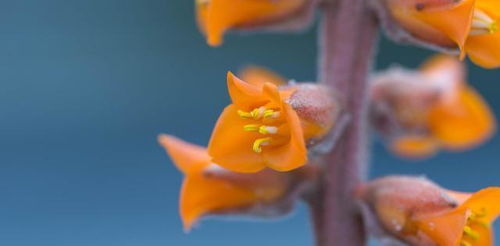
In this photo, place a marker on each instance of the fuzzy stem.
(348, 35)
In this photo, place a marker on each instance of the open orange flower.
(211, 190)
(467, 225)
(432, 109)
(470, 25)
(268, 126)
(420, 213)
(217, 16)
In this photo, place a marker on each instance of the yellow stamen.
(269, 113)
(471, 233)
(257, 145)
(244, 115)
(268, 130)
(476, 218)
(258, 113)
(255, 114)
(261, 129)
(251, 128)
(482, 24)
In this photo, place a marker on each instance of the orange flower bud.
(258, 76)
(470, 26)
(420, 213)
(217, 16)
(423, 111)
(267, 126)
(211, 190)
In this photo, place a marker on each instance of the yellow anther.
(254, 114)
(257, 145)
(244, 115)
(268, 130)
(476, 218)
(482, 24)
(269, 113)
(471, 233)
(465, 243)
(258, 113)
(493, 28)
(251, 128)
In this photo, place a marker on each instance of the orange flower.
(432, 109)
(420, 213)
(267, 126)
(217, 16)
(467, 225)
(470, 25)
(209, 189)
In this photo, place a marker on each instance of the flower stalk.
(348, 35)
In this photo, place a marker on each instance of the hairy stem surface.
(348, 35)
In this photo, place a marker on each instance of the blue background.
(86, 86)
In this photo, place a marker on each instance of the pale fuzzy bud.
(400, 101)
(391, 203)
(318, 108)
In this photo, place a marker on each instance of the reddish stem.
(348, 36)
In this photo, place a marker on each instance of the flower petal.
(293, 154)
(204, 194)
(484, 50)
(187, 157)
(487, 199)
(415, 146)
(258, 76)
(444, 229)
(464, 123)
(490, 6)
(225, 14)
(231, 146)
(455, 22)
(444, 68)
(246, 96)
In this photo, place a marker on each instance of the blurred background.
(85, 88)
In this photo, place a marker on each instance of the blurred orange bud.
(215, 17)
(258, 76)
(423, 111)
(420, 213)
(470, 26)
(268, 126)
(209, 189)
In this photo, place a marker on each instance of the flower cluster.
(255, 161)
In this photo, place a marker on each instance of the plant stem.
(348, 35)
